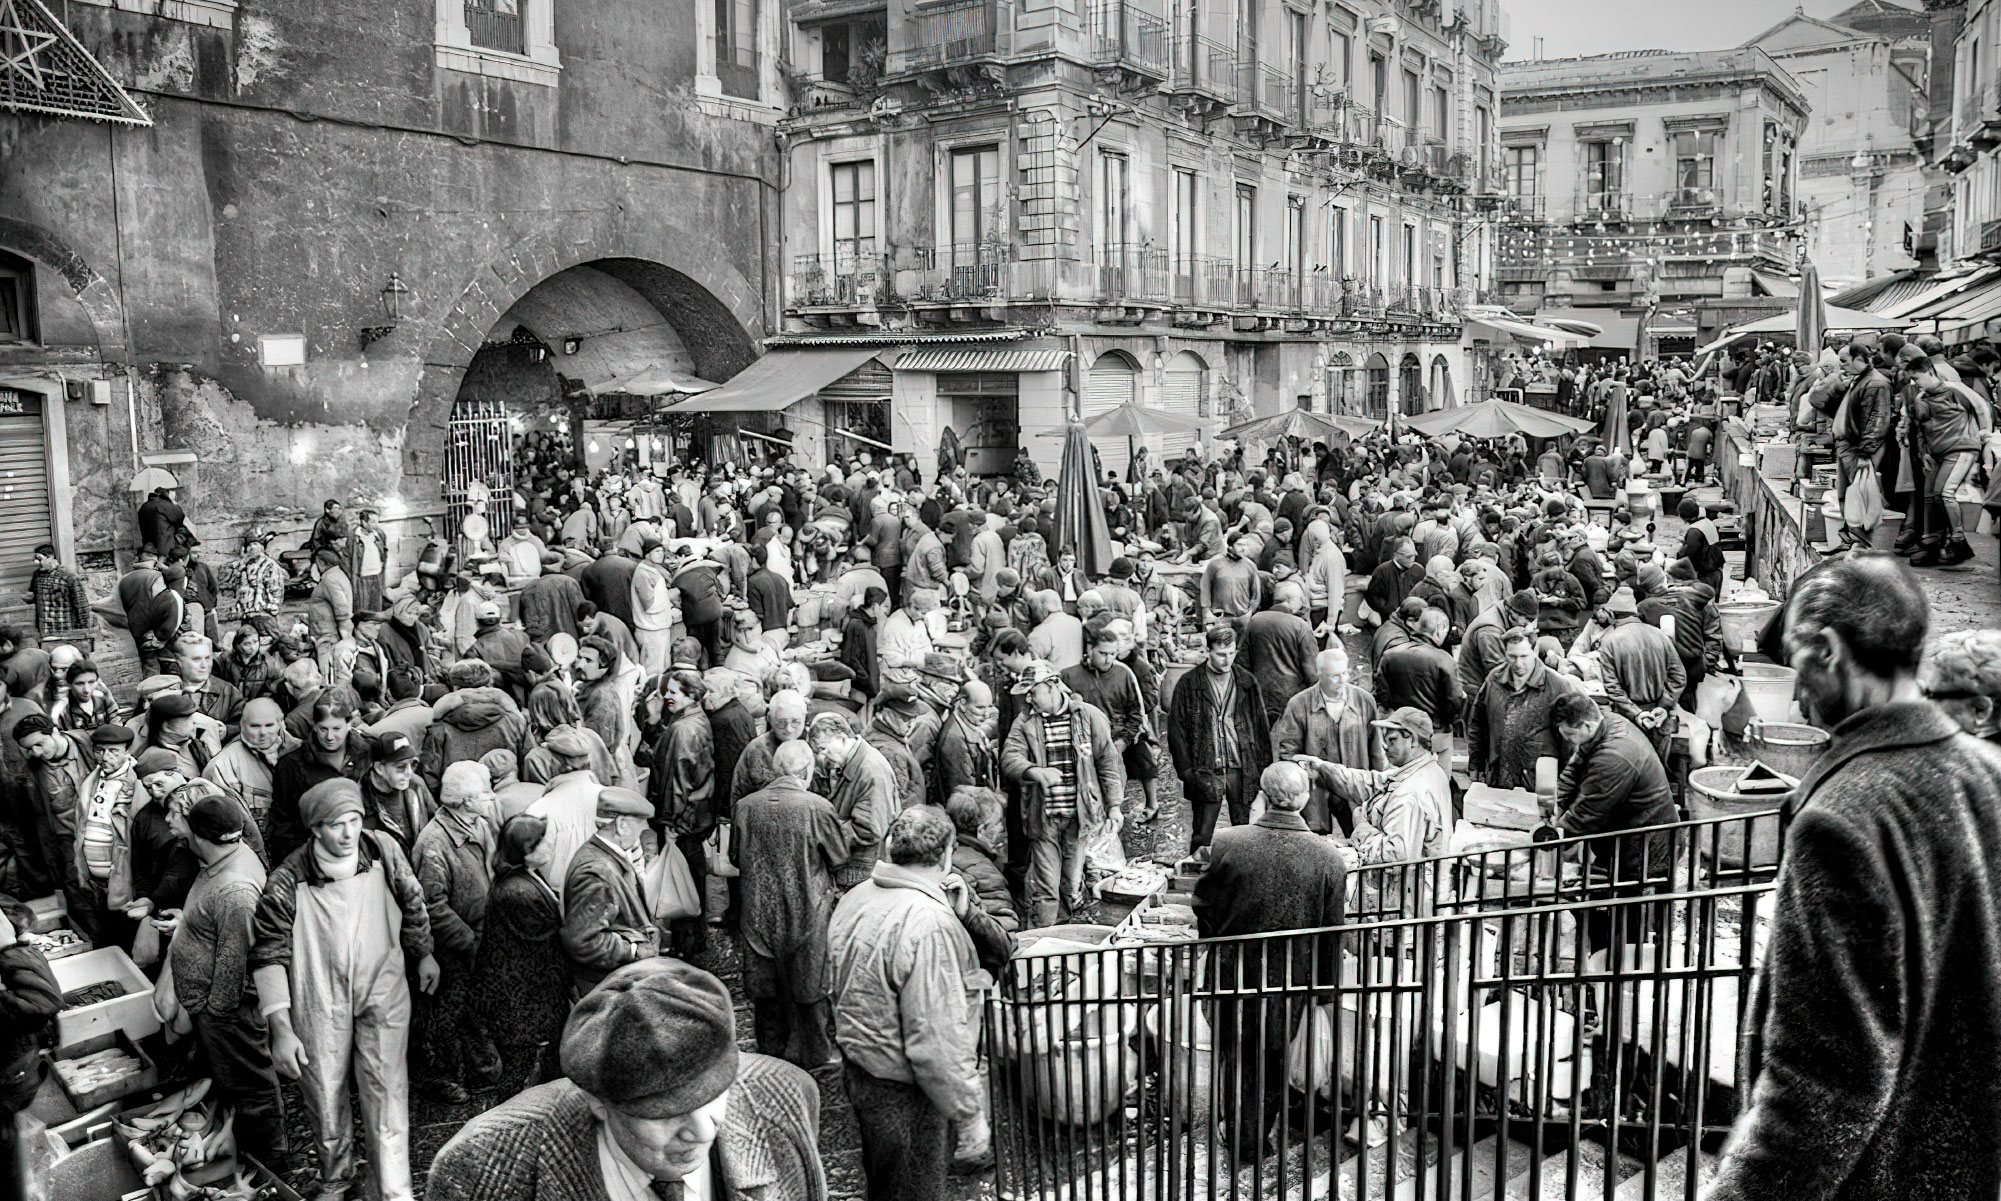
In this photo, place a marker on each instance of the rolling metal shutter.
(1180, 394)
(1107, 386)
(24, 493)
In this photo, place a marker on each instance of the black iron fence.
(1570, 1041)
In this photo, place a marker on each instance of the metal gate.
(480, 449)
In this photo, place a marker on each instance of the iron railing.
(494, 29)
(1276, 94)
(836, 280)
(1124, 34)
(1606, 204)
(1132, 273)
(1526, 1052)
(954, 31)
(1204, 65)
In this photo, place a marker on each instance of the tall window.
(1695, 166)
(1604, 176)
(1182, 219)
(1441, 112)
(1341, 51)
(1379, 82)
(496, 25)
(1112, 199)
(976, 217)
(1247, 239)
(17, 300)
(854, 216)
(1483, 132)
(1410, 275)
(1337, 243)
(836, 53)
(1413, 100)
(1379, 252)
(1295, 62)
(1519, 170)
(1295, 242)
(736, 47)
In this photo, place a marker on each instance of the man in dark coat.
(1279, 647)
(1613, 782)
(606, 923)
(1877, 1015)
(651, 1069)
(1393, 578)
(1864, 412)
(1273, 874)
(162, 522)
(607, 583)
(787, 842)
(1508, 725)
(1219, 736)
(549, 602)
(1423, 675)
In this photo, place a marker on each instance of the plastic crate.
(146, 1077)
(132, 1012)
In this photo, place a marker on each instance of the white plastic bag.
(1104, 852)
(1862, 505)
(669, 887)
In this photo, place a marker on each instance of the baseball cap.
(1411, 720)
(487, 611)
(1041, 671)
(394, 747)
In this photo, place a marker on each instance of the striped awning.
(993, 358)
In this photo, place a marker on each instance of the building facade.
(1862, 168)
(276, 246)
(1216, 208)
(1656, 190)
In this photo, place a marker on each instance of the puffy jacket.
(1867, 422)
(468, 724)
(1951, 418)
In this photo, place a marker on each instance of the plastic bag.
(1104, 852)
(1309, 1057)
(146, 947)
(1714, 696)
(1862, 505)
(717, 849)
(669, 887)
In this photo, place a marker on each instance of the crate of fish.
(104, 1067)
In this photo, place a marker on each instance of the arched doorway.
(577, 371)
(1441, 383)
(1410, 385)
(1376, 396)
(1112, 381)
(1340, 382)
(1184, 389)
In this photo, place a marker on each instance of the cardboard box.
(147, 1075)
(132, 1012)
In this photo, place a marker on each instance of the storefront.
(34, 468)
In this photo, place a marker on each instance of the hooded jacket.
(468, 723)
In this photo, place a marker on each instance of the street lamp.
(390, 298)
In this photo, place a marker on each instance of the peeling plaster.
(259, 50)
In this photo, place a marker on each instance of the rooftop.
(1640, 67)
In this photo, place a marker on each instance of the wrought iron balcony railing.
(954, 31)
(1125, 34)
(1205, 66)
(840, 280)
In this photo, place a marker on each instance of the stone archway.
(719, 312)
(94, 293)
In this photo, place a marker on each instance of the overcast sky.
(1569, 27)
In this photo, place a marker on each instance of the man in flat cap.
(606, 922)
(570, 804)
(657, 1103)
(332, 931)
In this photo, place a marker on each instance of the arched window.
(1376, 397)
(1340, 382)
(1441, 383)
(1410, 384)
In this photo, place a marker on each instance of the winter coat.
(966, 758)
(1862, 416)
(605, 920)
(1508, 728)
(1303, 728)
(1876, 1019)
(1278, 649)
(682, 783)
(467, 724)
(454, 862)
(523, 990)
(1194, 725)
(549, 606)
(1614, 782)
(1101, 770)
(1272, 875)
(863, 793)
(787, 843)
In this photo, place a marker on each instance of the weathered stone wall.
(299, 159)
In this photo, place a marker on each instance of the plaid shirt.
(259, 584)
(1059, 743)
(61, 602)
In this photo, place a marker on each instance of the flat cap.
(155, 760)
(111, 734)
(654, 1039)
(622, 802)
(567, 741)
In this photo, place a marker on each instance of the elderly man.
(1062, 755)
(454, 857)
(657, 1103)
(785, 721)
(1394, 578)
(1962, 676)
(1423, 675)
(1880, 978)
(214, 697)
(904, 967)
(338, 919)
(247, 765)
(209, 959)
(570, 803)
(1334, 722)
(859, 783)
(1279, 647)
(967, 753)
(1643, 674)
(1508, 723)
(1270, 875)
(1056, 638)
(788, 843)
(606, 922)
(1613, 782)
(905, 638)
(1219, 736)
(1404, 812)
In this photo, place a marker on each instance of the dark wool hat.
(1524, 604)
(154, 760)
(655, 1039)
(218, 819)
(173, 704)
(109, 734)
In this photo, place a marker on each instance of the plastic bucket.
(1068, 1047)
(1712, 794)
(1786, 746)
(1744, 623)
(1770, 688)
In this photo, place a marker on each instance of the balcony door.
(1605, 176)
(854, 224)
(976, 226)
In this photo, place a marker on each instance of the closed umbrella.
(1080, 511)
(1812, 316)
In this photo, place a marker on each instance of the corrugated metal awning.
(992, 359)
(779, 380)
(1968, 317)
(1776, 285)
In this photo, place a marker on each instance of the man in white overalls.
(333, 928)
